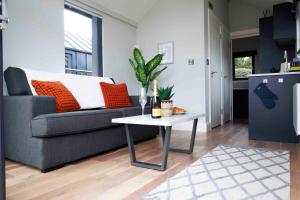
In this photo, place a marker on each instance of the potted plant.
(165, 94)
(146, 72)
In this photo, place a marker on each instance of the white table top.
(164, 121)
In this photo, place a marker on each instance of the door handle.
(212, 73)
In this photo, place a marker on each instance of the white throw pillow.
(86, 89)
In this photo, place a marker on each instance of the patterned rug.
(229, 172)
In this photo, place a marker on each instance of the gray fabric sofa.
(38, 136)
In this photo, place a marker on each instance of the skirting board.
(188, 126)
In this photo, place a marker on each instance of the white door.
(215, 69)
(226, 72)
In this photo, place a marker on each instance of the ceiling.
(133, 10)
(264, 4)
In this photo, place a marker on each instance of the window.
(243, 65)
(83, 43)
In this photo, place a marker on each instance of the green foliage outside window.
(243, 67)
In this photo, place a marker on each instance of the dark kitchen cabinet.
(284, 24)
(240, 103)
(271, 108)
(270, 53)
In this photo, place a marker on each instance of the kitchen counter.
(274, 74)
(271, 107)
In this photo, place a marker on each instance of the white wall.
(34, 37)
(119, 39)
(118, 42)
(243, 16)
(185, 23)
(221, 10)
(181, 22)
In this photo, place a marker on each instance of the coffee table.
(165, 124)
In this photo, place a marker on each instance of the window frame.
(78, 11)
(97, 41)
(251, 54)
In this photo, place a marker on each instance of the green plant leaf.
(172, 95)
(138, 57)
(165, 93)
(156, 74)
(153, 63)
(142, 75)
(134, 67)
(132, 64)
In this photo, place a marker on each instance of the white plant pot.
(166, 108)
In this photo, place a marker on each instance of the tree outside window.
(243, 65)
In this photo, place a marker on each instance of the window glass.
(243, 67)
(78, 42)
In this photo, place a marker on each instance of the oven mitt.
(267, 97)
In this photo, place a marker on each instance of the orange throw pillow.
(115, 95)
(65, 101)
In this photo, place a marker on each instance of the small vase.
(166, 108)
(143, 99)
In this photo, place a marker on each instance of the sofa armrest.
(135, 101)
(20, 146)
(29, 106)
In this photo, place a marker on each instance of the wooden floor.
(111, 176)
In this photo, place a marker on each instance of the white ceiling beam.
(245, 33)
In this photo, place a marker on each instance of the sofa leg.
(52, 168)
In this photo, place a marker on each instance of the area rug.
(230, 172)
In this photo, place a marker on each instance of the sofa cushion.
(59, 124)
(84, 88)
(65, 101)
(115, 95)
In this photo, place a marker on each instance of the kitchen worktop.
(274, 74)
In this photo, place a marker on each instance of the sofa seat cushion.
(59, 124)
